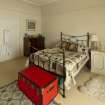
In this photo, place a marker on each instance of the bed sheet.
(52, 59)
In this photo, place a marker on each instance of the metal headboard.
(65, 37)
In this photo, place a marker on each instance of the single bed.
(65, 60)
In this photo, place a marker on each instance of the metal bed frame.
(64, 37)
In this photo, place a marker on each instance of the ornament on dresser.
(94, 41)
(100, 46)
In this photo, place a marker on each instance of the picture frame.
(30, 24)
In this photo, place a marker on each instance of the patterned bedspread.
(52, 59)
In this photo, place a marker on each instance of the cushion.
(70, 46)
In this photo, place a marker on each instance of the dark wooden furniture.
(33, 44)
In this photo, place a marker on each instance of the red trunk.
(38, 85)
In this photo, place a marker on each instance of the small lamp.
(94, 41)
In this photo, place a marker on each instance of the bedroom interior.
(59, 37)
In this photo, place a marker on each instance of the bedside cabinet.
(98, 62)
(33, 44)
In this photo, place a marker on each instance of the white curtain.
(1, 37)
(4, 42)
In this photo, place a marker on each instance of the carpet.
(11, 95)
(95, 87)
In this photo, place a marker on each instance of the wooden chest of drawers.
(30, 43)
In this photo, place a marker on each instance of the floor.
(9, 72)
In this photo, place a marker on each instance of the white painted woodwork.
(98, 62)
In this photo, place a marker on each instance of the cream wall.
(13, 15)
(73, 17)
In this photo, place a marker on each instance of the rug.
(11, 95)
(95, 87)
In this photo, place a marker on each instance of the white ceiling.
(39, 2)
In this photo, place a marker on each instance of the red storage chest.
(38, 85)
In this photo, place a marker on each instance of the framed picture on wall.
(30, 24)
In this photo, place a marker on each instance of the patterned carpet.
(11, 95)
(94, 87)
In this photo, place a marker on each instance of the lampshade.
(94, 38)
